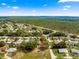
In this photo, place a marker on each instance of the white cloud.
(15, 8)
(3, 4)
(45, 5)
(68, 1)
(66, 7)
(8, 6)
(33, 10)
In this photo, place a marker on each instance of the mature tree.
(36, 34)
(47, 31)
(2, 43)
(73, 36)
(59, 45)
(28, 46)
(34, 28)
(15, 26)
(19, 32)
(1, 34)
(4, 26)
(43, 39)
(58, 34)
(4, 32)
(27, 34)
(10, 33)
(44, 43)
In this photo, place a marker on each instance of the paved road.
(52, 54)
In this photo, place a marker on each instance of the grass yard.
(2, 56)
(59, 55)
(73, 47)
(74, 56)
(33, 55)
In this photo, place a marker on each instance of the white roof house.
(58, 41)
(75, 51)
(12, 50)
(9, 41)
(18, 41)
(71, 43)
(63, 50)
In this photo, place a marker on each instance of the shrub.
(36, 34)
(28, 46)
(47, 31)
(73, 36)
(34, 28)
(59, 34)
(59, 45)
(2, 43)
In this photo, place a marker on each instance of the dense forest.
(65, 24)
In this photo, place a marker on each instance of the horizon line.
(39, 16)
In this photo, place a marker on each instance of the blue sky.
(39, 7)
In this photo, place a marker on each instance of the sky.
(39, 7)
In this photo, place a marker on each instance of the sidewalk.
(52, 54)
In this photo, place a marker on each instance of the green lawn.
(59, 55)
(2, 56)
(74, 56)
(33, 55)
(73, 47)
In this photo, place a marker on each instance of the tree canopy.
(2, 43)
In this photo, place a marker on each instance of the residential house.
(75, 51)
(11, 51)
(63, 50)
